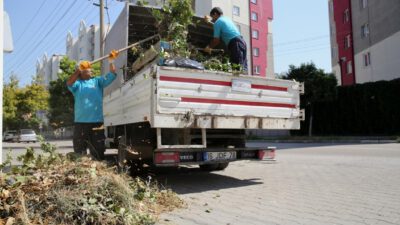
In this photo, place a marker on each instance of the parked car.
(26, 135)
(9, 135)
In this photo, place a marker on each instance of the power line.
(60, 39)
(30, 21)
(51, 29)
(49, 18)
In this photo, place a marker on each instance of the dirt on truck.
(170, 116)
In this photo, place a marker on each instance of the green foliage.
(361, 109)
(172, 23)
(61, 102)
(10, 101)
(58, 191)
(21, 105)
(319, 86)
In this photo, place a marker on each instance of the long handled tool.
(126, 48)
(212, 50)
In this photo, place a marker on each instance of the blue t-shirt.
(225, 29)
(88, 95)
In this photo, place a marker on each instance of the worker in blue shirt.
(88, 107)
(226, 30)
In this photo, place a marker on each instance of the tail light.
(267, 154)
(166, 157)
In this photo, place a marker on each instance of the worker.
(226, 30)
(88, 107)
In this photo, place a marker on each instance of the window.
(236, 10)
(346, 16)
(254, 1)
(257, 69)
(254, 16)
(254, 34)
(367, 59)
(256, 52)
(349, 67)
(364, 30)
(80, 50)
(347, 41)
(363, 4)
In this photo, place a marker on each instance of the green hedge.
(362, 109)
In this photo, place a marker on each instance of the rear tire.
(209, 167)
(214, 167)
(222, 166)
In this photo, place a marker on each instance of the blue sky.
(301, 31)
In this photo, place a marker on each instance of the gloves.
(207, 19)
(207, 50)
(84, 65)
(113, 55)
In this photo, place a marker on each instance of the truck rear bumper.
(175, 157)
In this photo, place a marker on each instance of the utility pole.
(101, 6)
(101, 32)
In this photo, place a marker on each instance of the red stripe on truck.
(236, 102)
(217, 82)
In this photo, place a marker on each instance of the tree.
(10, 102)
(61, 102)
(319, 86)
(30, 100)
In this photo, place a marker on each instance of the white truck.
(168, 116)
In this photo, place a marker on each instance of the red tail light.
(166, 157)
(269, 153)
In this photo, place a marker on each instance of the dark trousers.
(87, 135)
(238, 52)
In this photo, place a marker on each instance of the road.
(308, 184)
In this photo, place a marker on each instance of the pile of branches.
(57, 189)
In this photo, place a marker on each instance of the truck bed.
(169, 97)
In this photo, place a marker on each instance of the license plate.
(241, 85)
(217, 156)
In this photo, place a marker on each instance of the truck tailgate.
(204, 99)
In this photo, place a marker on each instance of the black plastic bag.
(184, 63)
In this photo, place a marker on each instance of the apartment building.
(85, 47)
(48, 68)
(365, 40)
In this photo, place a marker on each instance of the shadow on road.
(185, 180)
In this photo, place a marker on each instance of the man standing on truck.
(226, 30)
(88, 107)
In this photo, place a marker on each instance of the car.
(26, 135)
(9, 135)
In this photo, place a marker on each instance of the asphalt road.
(308, 184)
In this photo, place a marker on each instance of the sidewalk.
(329, 139)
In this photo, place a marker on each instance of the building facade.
(365, 40)
(85, 47)
(48, 68)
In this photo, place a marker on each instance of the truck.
(168, 116)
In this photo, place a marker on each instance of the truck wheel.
(222, 166)
(122, 160)
(209, 167)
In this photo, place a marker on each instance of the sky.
(300, 31)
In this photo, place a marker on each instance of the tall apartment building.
(48, 68)
(86, 46)
(365, 40)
